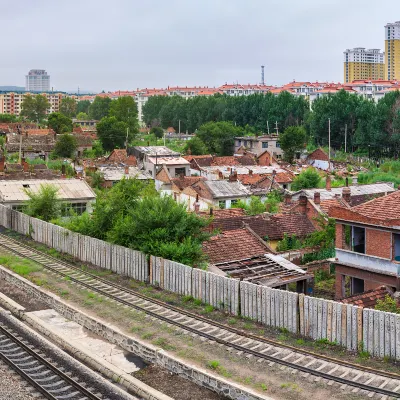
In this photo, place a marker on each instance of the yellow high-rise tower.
(392, 51)
(360, 63)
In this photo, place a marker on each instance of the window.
(234, 202)
(278, 144)
(265, 145)
(18, 208)
(76, 208)
(358, 237)
(396, 247)
(180, 171)
(222, 204)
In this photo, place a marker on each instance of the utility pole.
(179, 127)
(276, 127)
(329, 139)
(345, 138)
(126, 141)
(268, 127)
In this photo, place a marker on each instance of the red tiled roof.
(318, 154)
(234, 245)
(369, 298)
(272, 226)
(185, 181)
(228, 160)
(384, 208)
(327, 204)
(250, 179)
(283, 177)
(38, 131)
(120, 156)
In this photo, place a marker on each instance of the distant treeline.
(362, 123)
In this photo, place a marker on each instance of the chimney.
(328, 183)
(288, 199)
(346, 194)
(303, 204)
(317, 197)
(197, 205)
(220, 175)
(126, 170)
(250, 172)
(233, 177)
(24, 164)
(347, 181)
(355, 180)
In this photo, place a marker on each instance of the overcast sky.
(125, 44)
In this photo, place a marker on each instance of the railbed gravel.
(12, 386)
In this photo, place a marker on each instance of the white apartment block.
(37, 80)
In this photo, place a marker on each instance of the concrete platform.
(75, 334)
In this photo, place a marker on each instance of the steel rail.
(24, 374)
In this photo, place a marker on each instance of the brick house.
(368, 245)
(319, 159)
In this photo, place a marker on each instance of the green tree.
(82, 116)
(388, 304)
(124, 109)
(324, 237)
(59, 123)
(43, 204)
(218, 137)
(292, 140)
(160, 226)
(157, 131)
(8, 118)
(307, 179)
(34, 108)
(68, 107)
(288, 243)
(112, 133)
(99, 108)
(254, 207)
(66, 145)
(195, 147)
(83, 106)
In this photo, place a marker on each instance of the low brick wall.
(146, 351)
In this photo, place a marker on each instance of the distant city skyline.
(178, 43)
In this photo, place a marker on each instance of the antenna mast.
(262, 75)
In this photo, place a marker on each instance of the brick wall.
(339, 236)
(378, 243)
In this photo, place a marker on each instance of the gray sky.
(125, 44)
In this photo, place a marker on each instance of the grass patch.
(163, 343)
(213, 364)
(19, 265)
(147, 336)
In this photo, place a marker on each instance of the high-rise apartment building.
(360, 63)
(37, 80)
(392, 51)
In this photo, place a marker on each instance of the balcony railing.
(369, 262)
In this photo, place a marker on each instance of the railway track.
(254, 347)
(44, 376)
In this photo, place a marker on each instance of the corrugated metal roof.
(371, 189)
(117, 173)
(222, 189)
(156, 150)
(68, 189)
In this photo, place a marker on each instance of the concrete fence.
(350, 326)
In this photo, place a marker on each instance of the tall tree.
(219, 137)
(66, 145)
(35, 108)
(59, 123)
(43, 204)
(82, 116)
(124, 109)
(292, 140)
(83, 106)
(99, 108)
(68, 107)
(112, 133)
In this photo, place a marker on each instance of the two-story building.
(367, 245)
(152, 158)
(258, 144)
